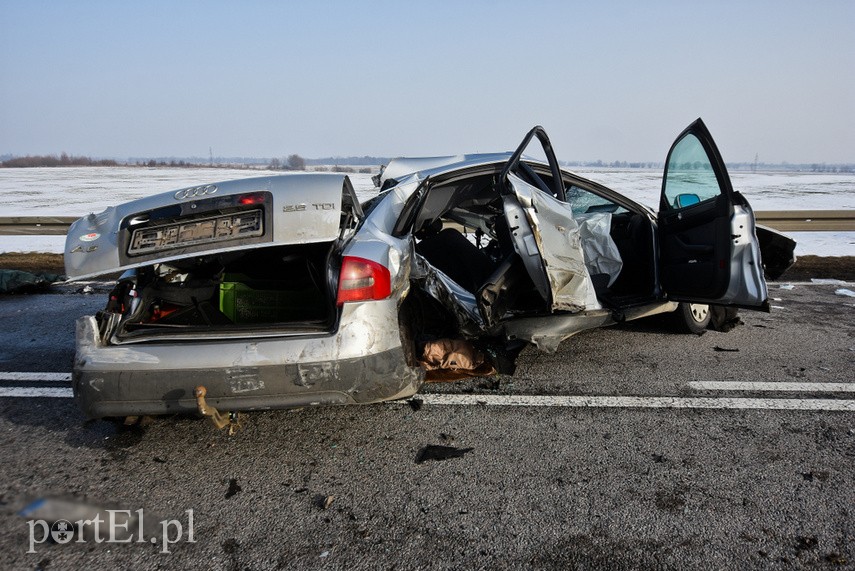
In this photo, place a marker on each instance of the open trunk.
(276, 290)
(253, 257)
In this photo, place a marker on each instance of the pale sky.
(608, 80)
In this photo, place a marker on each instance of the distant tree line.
(832, 168)
(297, 163)
(183, 164)
(291, 163)
(64, 160)
(339, 168)
(613, 164)
(365, 160)
(763, 167)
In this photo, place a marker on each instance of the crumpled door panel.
(557, 237)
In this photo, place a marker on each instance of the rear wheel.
(693, 317)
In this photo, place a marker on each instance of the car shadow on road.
(61, 417)
(661, 324)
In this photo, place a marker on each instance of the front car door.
(708, 247)
(544, 232)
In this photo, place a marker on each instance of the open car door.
(708, 247)
(543, 230)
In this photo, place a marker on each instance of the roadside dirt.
(806, 267)
(33, 263)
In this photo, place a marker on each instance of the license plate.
(179, 234)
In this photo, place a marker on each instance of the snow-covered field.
(79, 190)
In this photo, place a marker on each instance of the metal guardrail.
(807, 220)
(35, 225)
(783, 220)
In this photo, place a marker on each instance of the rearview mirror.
(683, 200)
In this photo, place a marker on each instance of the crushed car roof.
(399, 168)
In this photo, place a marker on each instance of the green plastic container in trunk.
(264, 302)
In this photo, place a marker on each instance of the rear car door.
(708, 247)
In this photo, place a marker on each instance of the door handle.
(695, 248)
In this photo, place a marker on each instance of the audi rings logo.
(195, 191)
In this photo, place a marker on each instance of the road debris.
(434, 452)
(725, 349)
(844, 291)
(323, 502)
(805, 543)
(234, 488)
(25, 282)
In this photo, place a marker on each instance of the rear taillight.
(254, 198)
(362, 280)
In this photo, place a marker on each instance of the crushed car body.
(286, 291)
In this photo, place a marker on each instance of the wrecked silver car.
(285, 291)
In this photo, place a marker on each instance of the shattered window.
(585, 202)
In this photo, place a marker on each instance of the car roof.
(402, 167)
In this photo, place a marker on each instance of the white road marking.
(594, 401)
(816, 282)
(638, 402)
(4, 376)
(772, 386)
(30, 392)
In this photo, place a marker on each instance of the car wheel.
(693, 317)
(724, 318)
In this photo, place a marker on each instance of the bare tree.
(296, 163)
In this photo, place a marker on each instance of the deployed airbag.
(601, 252)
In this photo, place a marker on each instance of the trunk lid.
(212, 218)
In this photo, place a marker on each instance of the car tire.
(724, 318)
(693, 317)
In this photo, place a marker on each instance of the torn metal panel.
(557, 238)
(546, 333)
(525, 240)
(461, 303)
(777, 251)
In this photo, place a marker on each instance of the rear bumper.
(361, 363)
(378, 377)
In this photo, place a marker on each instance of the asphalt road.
(585, 487)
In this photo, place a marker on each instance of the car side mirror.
(684, 200)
